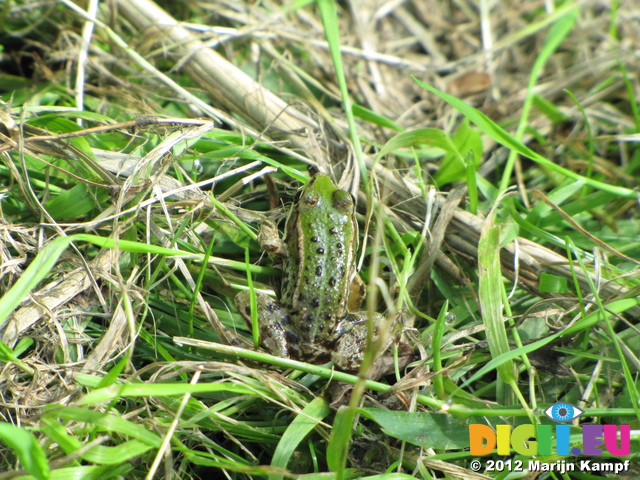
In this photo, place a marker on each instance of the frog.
(315, 318)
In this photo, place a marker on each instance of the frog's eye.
(342, 200)
(308, 199)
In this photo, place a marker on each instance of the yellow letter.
(504, 437)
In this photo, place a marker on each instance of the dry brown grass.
(291, 101)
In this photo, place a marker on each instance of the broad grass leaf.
(375, 118)
(430, 430)
(421, 136)
(25, 445)
(87, 472)
(304, 422)
(340, 436)
(159, 389)
(103, 455)
(490, 295)
(553, 283)
(105, 422)
(74, 203)
(454, 165)
(37, 270)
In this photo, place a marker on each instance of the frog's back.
(321, 243)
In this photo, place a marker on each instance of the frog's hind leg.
(348, 350)
(274, 322)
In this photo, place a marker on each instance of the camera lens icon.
(563, 412)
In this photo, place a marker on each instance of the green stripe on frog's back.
(321, 240)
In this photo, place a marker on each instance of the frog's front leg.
(269, 239)
(357, 292)
(349, 348)
(274, 323)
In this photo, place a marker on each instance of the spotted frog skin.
(312, 320)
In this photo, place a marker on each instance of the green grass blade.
(31, 456)
(424, 429)
(105, 422)
(558, 31)
(159, 389)
(436, 341)
(375, 118)
(421, 136)
(304, 422)
(490, 295)
(9, 355)
(86, 473)
(338, 447)
(505, 139)
(329, 16)
(587, 322)
(48, 256)
(37, 270)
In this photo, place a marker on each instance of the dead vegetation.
(259, 81)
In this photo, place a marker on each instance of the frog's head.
(321, 192)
